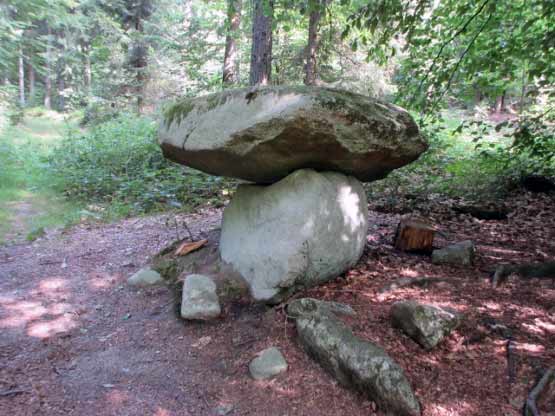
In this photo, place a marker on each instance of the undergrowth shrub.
(99, 111)
(454, 167)
(120, 163)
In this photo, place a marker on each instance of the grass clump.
(119, 165)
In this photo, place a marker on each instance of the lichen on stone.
(178, 111)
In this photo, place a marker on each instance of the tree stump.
(414, 236)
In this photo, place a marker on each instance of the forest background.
(83, 84)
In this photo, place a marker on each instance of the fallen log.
(545, 270)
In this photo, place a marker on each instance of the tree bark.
(140, 61)
(500, 103)
(261, 52)
(31, 76)
(477, 96)
(311, 75)
(60, 79)
(88, 71)
(413, 235)
(47, 70)
(21, 78)
(231, 64)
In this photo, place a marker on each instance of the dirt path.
(21, 213)
(76, 340)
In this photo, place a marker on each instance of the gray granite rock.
(299, 232)
(264, 134)
(426, 324)
(267, 364)
(145, 277)
(354, 362)
(199, 300)
(461, 254)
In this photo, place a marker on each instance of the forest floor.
(77, 340)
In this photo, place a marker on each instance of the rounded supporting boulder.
(299, 232)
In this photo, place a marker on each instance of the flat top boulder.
(264, 134)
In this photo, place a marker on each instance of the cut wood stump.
(414, 236)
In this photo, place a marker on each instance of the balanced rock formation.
(262, 135)
(301, 231)
(426, 324)
(354, 362)
(309, 147)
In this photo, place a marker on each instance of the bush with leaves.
(120, 163)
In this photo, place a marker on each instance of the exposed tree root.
(511, 364)
(13, 392)
(531, 407)
(526, 271)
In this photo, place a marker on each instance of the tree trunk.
(500, 103)
(47, 70)
(140, 67)
(60, 79)
(523, 89)
(311, 75)
(31, 76)
(261, 53)
(61, 84)
(88, 71)
(231, 64)
(477, 96)
(21, 78)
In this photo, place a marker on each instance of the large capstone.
(299, 232)
(262, 135)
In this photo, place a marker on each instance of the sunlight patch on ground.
(540, 327)
(162, 412)
(461, 408)
(44, 329)
(406, 272)
(20, 312)
(52, 284)
(100, 281)
(40, 318)
(529, 347)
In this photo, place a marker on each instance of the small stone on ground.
(461, 254)
(268, 364)
(145, 277)
(426, 324)
(200, 300)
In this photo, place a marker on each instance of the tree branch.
(447, 42)
(452, 76)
